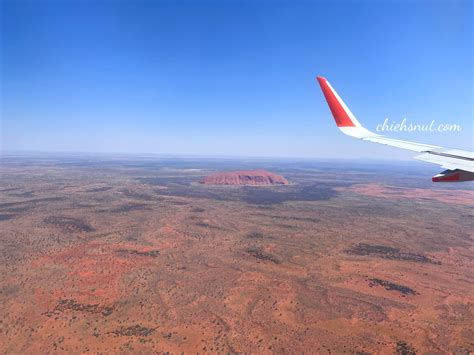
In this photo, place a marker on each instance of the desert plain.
(104, 254)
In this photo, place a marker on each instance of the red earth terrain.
(462, 197)
(136, 257)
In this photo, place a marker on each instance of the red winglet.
(340, 115)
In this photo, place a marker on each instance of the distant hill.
(241, 178)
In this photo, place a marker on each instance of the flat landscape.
(107, 254)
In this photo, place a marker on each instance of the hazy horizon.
(394, 160)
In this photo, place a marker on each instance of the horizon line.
(199, 156)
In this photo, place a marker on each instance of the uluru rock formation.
(247, 177)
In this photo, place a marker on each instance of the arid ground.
(130, 254)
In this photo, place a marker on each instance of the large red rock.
(250, 177)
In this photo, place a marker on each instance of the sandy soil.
(130, 260)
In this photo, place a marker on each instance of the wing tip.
(321, 79)
(340, 112)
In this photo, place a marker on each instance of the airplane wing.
(459, 164)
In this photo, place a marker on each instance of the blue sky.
(231, 77)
